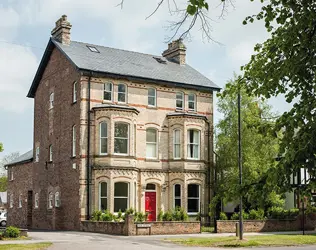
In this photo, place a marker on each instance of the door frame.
(152, 191)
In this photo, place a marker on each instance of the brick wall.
(20, 185)
(130, 228)
(268, 225)
(54, 126)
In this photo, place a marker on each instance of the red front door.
(150, 205)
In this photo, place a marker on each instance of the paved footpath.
(83, 241)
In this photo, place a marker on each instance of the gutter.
(88, 149)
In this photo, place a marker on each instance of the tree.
(7, 159)
(3, 183)
(260, 149)
(286, 64)
(1, 147)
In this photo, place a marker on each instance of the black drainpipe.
(210, 165)
(88, 150)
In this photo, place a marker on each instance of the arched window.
(121, 93)
(177, 195)
(121, 138)
(57, 199)
(74, 92)
(107, 91)
(193, 198)
(103, 138)
(103, 200)
(11, 200)
(179, 101)
(152, 100)
(176, 144)
(191, 102)
(36, 200)
(74, 140)
(50, 200)
(151, 186)
(151, 143)
(20, 200)
(193, 151)
(121, 190)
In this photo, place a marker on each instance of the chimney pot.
(176, 51)
(61, 32)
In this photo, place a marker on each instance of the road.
(84, 241)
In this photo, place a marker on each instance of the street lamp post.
(240, 168)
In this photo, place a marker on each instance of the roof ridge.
(118, 49)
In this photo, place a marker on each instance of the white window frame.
(103, 197)
(11, 201)
(74, 92)
(194, 102)
(37, 152)
(20, 200)
(128, 135)
(176, 143)
(177, 197)
(57, 199)
(178, 99)
(121, 197)
(194, 198)
(50, 200)
(155, 97)
(50, 153)
(198, 144)
(74, 137)
(106, 91)
(36, 201)
(125, 93)
(51, 100)
(152, 143)
(104, 137)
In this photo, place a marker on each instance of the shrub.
(167, 216)
(310, 209)
(223, 216)
(119, 214)
(107, 216)
(12, 232)
(178, 214)
(160, 215)
(294, 212)
(280, 213)
(235, 216)
(130, 211)
(198, 217)
(96, 215)
(245, 216)
(140, 217)
(256, 214)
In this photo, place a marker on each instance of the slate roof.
(117, 62)
(27, 157)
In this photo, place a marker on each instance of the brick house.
(113, 129)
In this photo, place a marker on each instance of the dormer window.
(93, 49)
(107, 94)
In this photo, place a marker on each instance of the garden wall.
(147, 228)
(229, 226)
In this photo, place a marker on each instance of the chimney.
(61, 32)
(176, 51)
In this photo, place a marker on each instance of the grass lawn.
(36, 246)
(249, 241)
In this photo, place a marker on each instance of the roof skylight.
(93, 49)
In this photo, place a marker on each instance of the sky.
(25, 28)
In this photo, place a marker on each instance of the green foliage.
(96, 215)
(198, 216)
(160, 215)
(311, 210)
(130, 211)
(3, 183)
(12, 232)
(281, 213)
(235, 216)
(119, 214)
(256, 214)
(285, 64)
(140, 217)
(107, 216)
(177, 214)
(1, 147)
(259, 149)
(167, 216)
(223, 216)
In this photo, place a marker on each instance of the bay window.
(103, 200)
(121, 190)
(121, 138)
(103, 138)
(177, 195)
(193, 198)
(193, 151)
(176, 144)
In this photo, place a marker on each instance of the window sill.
(107, 101)
(193, 214)
(192, 111)
(152, 107)
(74, 102)
(179, 110)
(118, 154)
(50, 162)
(73, 157)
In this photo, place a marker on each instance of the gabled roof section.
(27, 157)
(117, 62)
